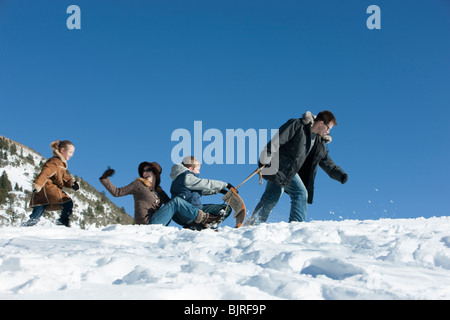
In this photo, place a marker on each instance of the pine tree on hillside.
(13, 149)
(5, 187)
(4, 144)
(5, 184)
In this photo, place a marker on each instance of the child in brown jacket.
(47, 187)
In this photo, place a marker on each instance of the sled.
(234, 200)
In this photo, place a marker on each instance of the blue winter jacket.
(188, 186)
(179, 189)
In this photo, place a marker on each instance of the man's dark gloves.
(344, 178)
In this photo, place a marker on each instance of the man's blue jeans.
(295, 189)
(178, 210)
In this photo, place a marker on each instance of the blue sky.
(138, 70)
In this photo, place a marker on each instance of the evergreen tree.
(5, 187)
(5, 184)
(13, 149)
(4, 144)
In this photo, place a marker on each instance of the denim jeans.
(296, 191)
(66, 211)
(178, 210)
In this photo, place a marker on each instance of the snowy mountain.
(19, 165)
(350, 259)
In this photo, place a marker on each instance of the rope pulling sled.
(234, 200)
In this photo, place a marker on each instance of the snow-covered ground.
(382, 259)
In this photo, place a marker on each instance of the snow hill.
(21, 165)
(350, 259)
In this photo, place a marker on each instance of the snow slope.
(382, 259)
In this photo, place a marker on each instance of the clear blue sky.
(138, 70)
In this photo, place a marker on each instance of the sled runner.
(236, 203)
(234, 200)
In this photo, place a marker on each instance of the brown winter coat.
(147, 200)
(49, 183)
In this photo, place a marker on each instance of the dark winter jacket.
(294, 143)
(179, 189)
(188, 186)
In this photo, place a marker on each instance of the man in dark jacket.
(291, 159)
